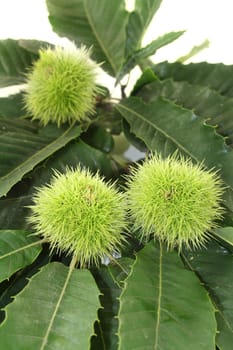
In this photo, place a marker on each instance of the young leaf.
(214, 265)
(194, 51)
(218, 76)
(17, 250)
(21, 150)
(165, 127)
(138, 22)
(99, 24)
(14, 62)
(158, 303)
(146, 51)
(56, 310)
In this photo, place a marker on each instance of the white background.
(202, 19)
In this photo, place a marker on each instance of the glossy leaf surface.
(214, 265)
(158, 303)
(17, 250)
(93, 23)
(56, 310)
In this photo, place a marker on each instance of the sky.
(202, 19)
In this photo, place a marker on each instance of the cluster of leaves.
(149, 298)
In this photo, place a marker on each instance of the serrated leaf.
(194, 51)
(18, 281)
(12, 106)
(225, 234)
(110, 282)
(214, 265)
(99, 24)
(14, 62)
(139, 21)
(17, 250)
(158, 302)
(21, 149)
(205, 102)
(56, 310)
(73, 154)
(218, 76)
(165, 127)
(146, 51)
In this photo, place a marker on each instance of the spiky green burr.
(174, 201)
(61, 86)
(80, 214)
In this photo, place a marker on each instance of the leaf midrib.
(104, 49)
(58, 304)
(158, 129)
(16, 172)
(15, 251)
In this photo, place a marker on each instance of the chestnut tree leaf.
(138, 23)
(98, 24)
(158, 303)
(14, 62)
(22, 149)
(165, 127)
(17, 250)
(139, 55)
(56, 310)
(214, 266)
(205, 102)
(110, 282)
(216, 76)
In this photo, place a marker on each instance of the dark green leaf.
(73, 154)
(138, 22)
(165, 127)
(110, 282)
(146, 51)
(56, 310)
(132, 139)
(158, 302)
(98, 137)
(218, 77)
(17, 250)
(147, 77)
(17, 282)
(205, 102)
(214, 265)
(21, 149)
(12, 106)
(34, 45)
(14, 62)
(13, 212)
(99, 24)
